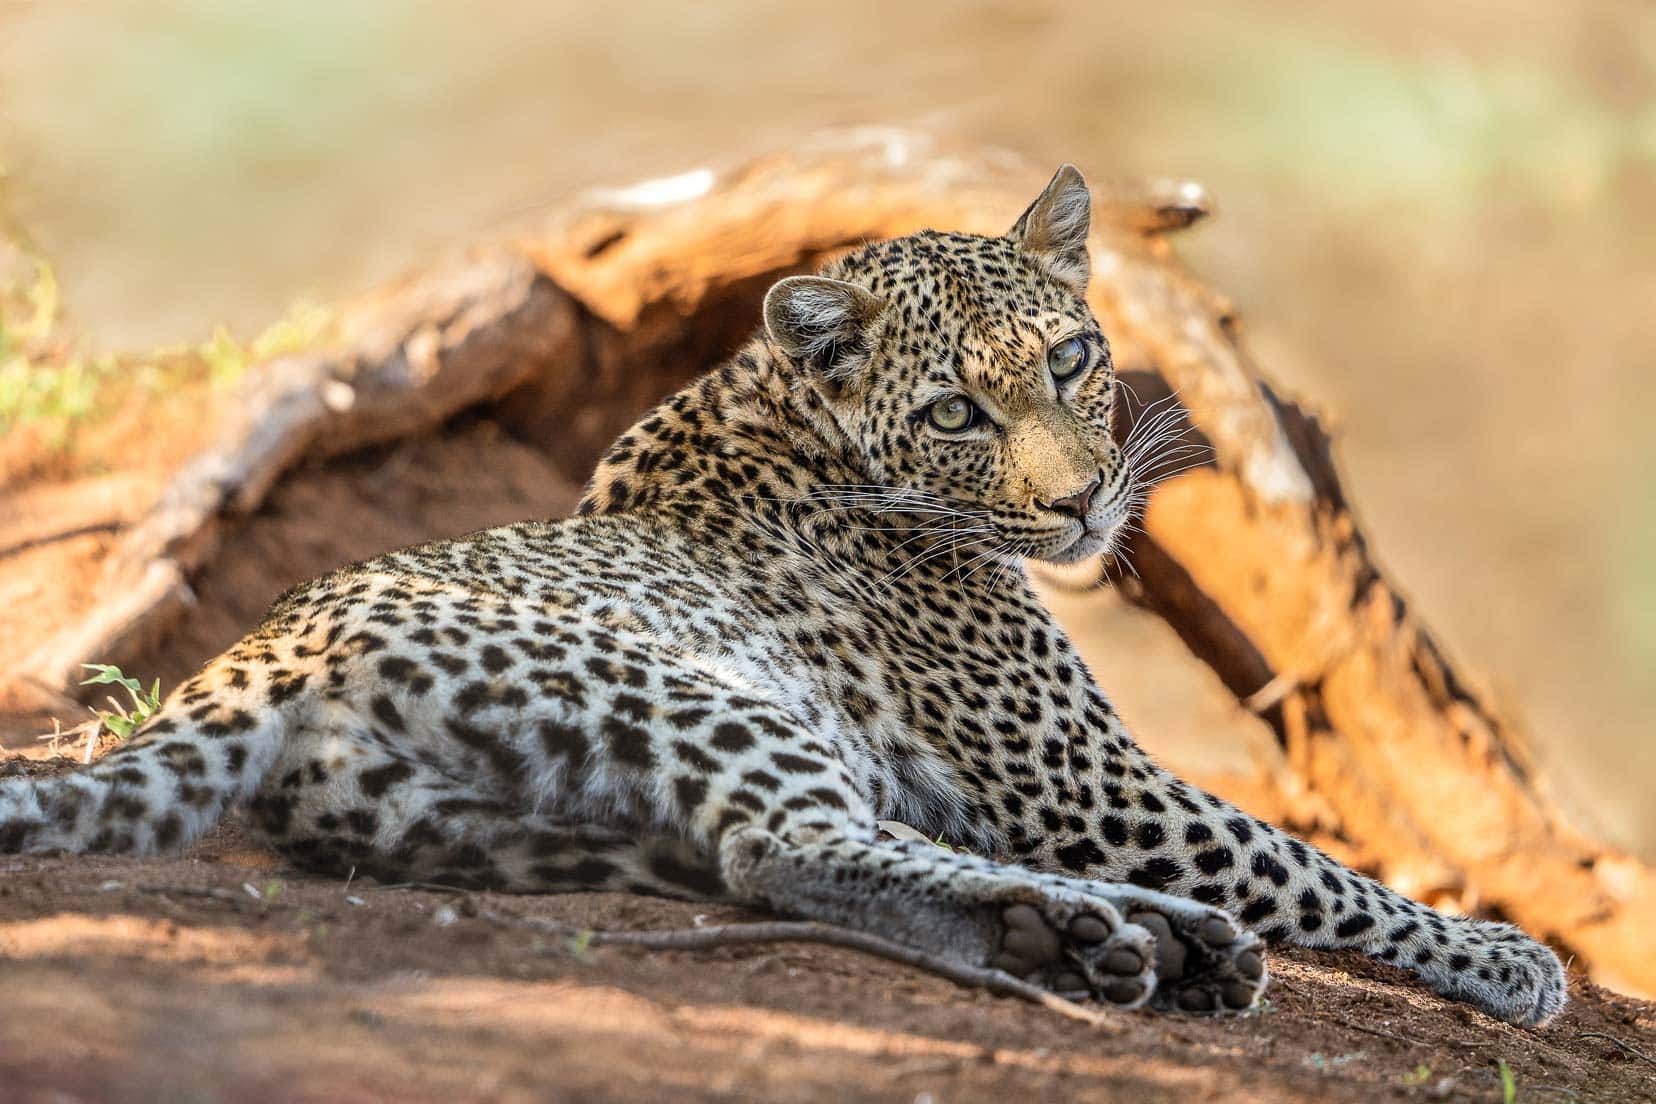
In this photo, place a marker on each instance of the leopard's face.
(971, 380)
(989, 389)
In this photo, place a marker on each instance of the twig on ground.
(192, 891)
(1382, 1034)
(1628, 1047)
(427, 887)
(729, 935)
(212, 893)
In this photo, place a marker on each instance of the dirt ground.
(224, 976)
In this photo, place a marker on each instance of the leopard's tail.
(204, 750)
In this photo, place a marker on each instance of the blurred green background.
(1438, 219)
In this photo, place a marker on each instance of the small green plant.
(37, 382)
(1418, 1076)
(1509, 1082)
(118, 719)
(51, 381)
(304, 326)
(29, 305)
(41, 390)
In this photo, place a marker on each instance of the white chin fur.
(1099, 537)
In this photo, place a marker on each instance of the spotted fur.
(790, 604)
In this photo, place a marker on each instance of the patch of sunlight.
(123, 935)
(714, 1030)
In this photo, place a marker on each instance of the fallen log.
(1254, 558)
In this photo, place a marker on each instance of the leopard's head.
(969, 378)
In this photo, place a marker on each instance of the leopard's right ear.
(823, 325)
(1054, 228)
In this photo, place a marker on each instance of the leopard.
(794, 602)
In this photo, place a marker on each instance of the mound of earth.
(224, 976)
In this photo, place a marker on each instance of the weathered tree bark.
(1254, 559)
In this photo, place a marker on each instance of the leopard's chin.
(1094, 539)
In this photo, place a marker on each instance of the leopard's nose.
(1076, 505)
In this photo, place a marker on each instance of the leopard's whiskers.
(925, 556)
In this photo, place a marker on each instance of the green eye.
(953, 414)
(1067, 358)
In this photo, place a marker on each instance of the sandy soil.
(223, 976)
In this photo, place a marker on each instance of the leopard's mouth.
(1096, 534)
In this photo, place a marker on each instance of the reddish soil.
(222, 976)
(54, 534)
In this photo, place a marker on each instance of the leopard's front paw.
(1204, 963)
(1205, 960)
(1078, 952)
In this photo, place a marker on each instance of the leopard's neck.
(750, 430)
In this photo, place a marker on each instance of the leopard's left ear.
(822, 324)
(1054, 228)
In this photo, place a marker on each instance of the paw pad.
(1029, 942)
(1170, 952)
(1204, 964)
(1091, 954)
(1089, 929)
(1125, 962)
(1218, 931)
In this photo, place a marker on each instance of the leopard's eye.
(953, 414)
(1067, 358)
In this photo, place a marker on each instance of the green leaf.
(144, 705)
(109, 673)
